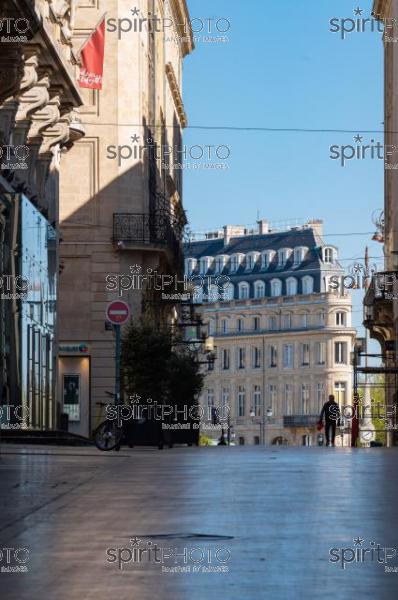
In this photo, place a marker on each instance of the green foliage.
(154, 367)
(186, 381)
(146, 356)
(204, 440)
(377, 394)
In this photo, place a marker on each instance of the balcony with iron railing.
(219, 333)
(159, 228)
(146, 231)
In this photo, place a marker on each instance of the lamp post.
(262, 422)
(269, 415)
(252, 415)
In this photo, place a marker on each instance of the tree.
(146, 356)
(155, 366)
(186, 380)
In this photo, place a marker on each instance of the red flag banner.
(92, 59)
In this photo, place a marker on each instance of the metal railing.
(137, 229)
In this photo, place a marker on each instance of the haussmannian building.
(283, 339)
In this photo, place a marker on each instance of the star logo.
(358, 11)
(358, 541)
(135, 138)
(135, 399)
(134, 541)
(357, 268)
(135, 11)
(358, 138)
(135, 269)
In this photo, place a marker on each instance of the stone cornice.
(175, 91)
(180, 8)
(65, 69)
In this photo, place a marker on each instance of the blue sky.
(282, 68)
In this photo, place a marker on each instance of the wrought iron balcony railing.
(145, 229)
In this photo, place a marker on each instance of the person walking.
(331, 413)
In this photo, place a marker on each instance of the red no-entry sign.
(118, 312)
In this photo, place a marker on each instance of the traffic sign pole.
(117, 364)
(117, 313)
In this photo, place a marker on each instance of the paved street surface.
(263, 519)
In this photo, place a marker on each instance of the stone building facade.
(283, 339)
(381, 300)
(121, 211)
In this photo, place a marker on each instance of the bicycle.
(108, 435)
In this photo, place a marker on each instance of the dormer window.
(299, 255)
(266, 258)
(251, 260)
(205, 263)
(283, 256)
(236, 261)
(329, 255)
(221, 261)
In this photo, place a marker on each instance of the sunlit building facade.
(283, 338)
(121, 209)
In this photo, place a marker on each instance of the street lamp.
(209, 344)
(269, 415)
(253, 414)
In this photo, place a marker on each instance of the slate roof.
(259, 243)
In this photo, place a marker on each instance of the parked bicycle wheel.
(108, 436)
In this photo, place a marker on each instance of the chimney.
(317, 226)
(227, 234)
(263, 227)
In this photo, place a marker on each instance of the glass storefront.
(28, 365)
